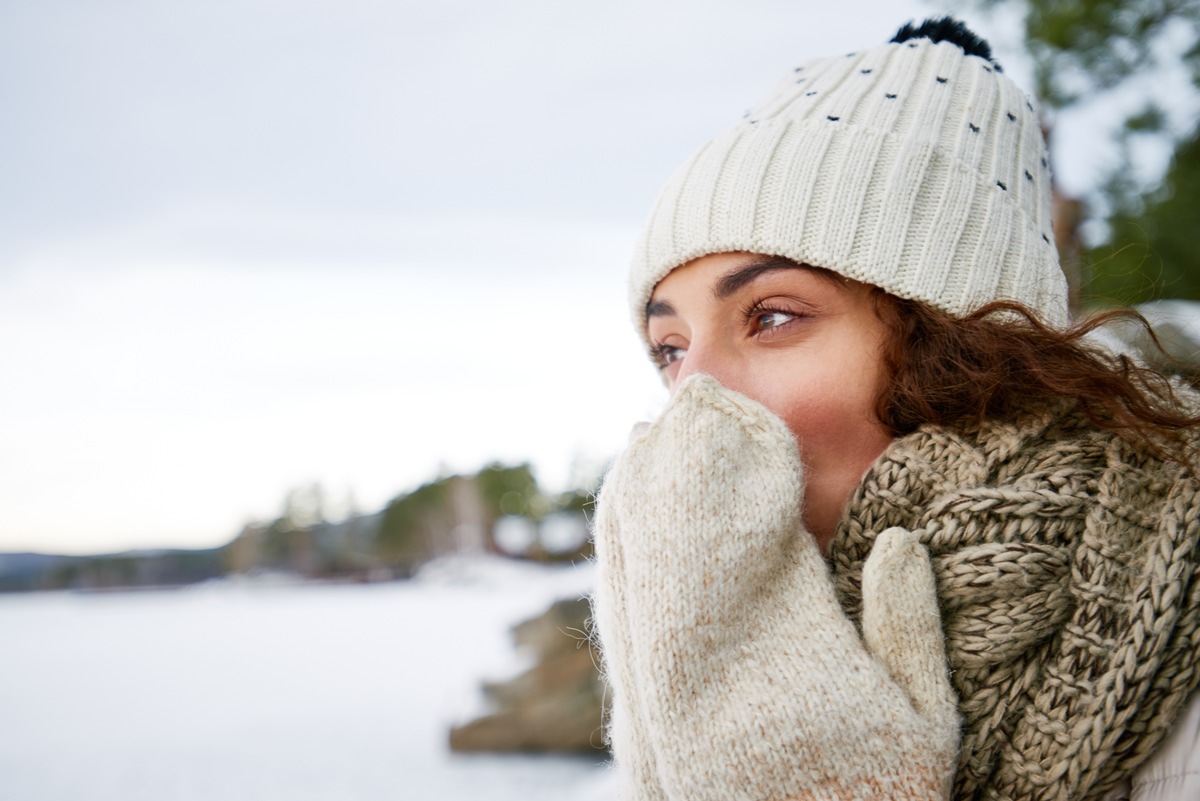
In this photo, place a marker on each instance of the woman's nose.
(707, 360)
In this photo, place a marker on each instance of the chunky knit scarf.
(1069, 578)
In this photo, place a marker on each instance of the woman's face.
(802, 342)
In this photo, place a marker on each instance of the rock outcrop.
(555, 706)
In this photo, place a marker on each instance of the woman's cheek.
(813, 411)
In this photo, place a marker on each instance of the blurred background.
(313, 348)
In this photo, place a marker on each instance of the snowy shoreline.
(238, 691)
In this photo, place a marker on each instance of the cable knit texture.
(735, 673)
(1066, 564)
(911, 166)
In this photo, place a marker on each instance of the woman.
(901, 532)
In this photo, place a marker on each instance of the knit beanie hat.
(916, 166)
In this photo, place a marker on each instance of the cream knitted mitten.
(735, 673)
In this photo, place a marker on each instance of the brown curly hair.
(1002, 360)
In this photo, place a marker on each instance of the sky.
(248, 246)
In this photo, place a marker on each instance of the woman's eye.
(668, 354)
(769, 320)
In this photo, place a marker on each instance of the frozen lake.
(231, 691)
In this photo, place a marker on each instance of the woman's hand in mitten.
(736, 674)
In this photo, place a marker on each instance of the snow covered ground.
(232, 691)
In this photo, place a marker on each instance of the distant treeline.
(500, 509)
(143, 568)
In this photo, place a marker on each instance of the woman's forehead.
(724, 274)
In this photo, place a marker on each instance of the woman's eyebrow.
(659, 308)
(734, 280)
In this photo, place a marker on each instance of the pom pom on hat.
(947, 29)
